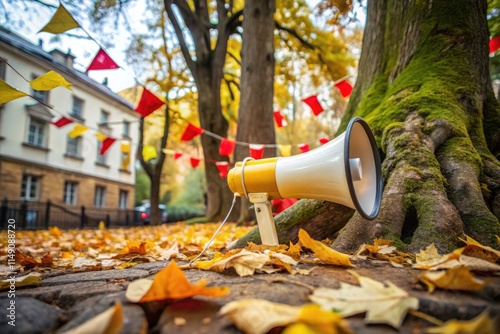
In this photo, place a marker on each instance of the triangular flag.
(226, 147)
(177, 155)
(285, 150)
(190, 132)
(102, 62)
(148, 103)
(48, 81)
(78, 130)
(100, 136)
(344, 87)
(279, 119)
(126, 162)
(8, 93)
(148, 152)
(313, 103)
(125, 146)
(61, 21)
(304, 147)
(494, 44)
(223, 167)
(324, 140)
(106, 144)
(194, 162)
(61, 121)
(256, 151)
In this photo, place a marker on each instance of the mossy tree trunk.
(423, 86)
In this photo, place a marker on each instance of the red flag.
(256, 151)
(304, 147)
(313, 103)
(148, 103)
(344, 87)
(194, 162)
(190, 132)
(494, 44)
(223, 167)
(279, 119)
(61, 121)
(102, 62)
(226, 147)
(177, 155)
(324, 140)
(106, 144)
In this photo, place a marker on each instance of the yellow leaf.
(61, 21)
(9, 93)
(126, 265)
(459, 278)
(55, 231)
(170, 283)
(299, 328)
(30, 279)
(48, 81)
(482, 324)
(323, 252)
(471, 242)
(102, 225)
(77, 131)
(149, 152)
(259, 316)
(244, 262)
(386, 304)
(108, 322)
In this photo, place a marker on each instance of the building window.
(73, 146)
(70, 189)
(104, 119)
(36, 132)
(40, 95)
(2, 70)
(77, 108)
(126, 129)
(123, 199)
(29, 187)
(101, 158)
(100, 197)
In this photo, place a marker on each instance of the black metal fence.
(33, 215)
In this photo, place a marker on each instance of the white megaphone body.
(346, 170)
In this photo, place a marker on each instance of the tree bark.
(423, 86)
(255, 119)
(207, 71)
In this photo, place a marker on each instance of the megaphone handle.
(264, 214)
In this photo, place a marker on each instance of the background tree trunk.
(255, 119)
(424, 87)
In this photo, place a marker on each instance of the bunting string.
(62, 21)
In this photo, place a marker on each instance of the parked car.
(143, 213)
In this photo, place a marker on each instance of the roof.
(37, 52)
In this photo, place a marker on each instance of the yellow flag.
(100, 136)
(285, 150)
(8, 93)
(61, 21)
(126, 162)
(77, 131)
(125, 146)
(48, 81)
(168, 151)
(148, 152)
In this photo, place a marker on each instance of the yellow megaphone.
(346, 170)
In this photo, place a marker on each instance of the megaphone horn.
(346, 170)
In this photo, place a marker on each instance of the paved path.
(64, 300)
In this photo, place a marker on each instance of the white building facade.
(39, 161)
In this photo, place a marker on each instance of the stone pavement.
(65, 300)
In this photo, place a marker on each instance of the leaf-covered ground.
(471, 269)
